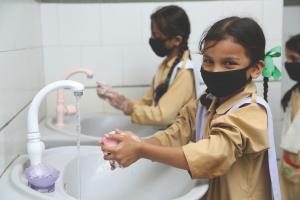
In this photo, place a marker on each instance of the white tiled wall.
(100, 60)
(21, 72)
(13, 140)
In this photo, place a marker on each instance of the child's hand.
(115, 99)
(104, 91)
(126, 152)
(120, 102)
(104, 141)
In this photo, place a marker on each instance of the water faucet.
(61, 109)
(35, 146)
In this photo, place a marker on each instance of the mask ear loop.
(246, 69)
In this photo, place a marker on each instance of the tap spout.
(32, 119)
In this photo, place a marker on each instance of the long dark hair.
(292, 44)
(244, 31)
(171, 21)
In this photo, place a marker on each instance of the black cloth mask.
(293, 70)
(221, 84)
(158, 46)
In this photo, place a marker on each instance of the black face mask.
(221, 84)
(158, 46)
(293, 70)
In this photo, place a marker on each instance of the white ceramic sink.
(143, 180)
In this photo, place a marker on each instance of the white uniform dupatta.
(291, 134)
(187, 64)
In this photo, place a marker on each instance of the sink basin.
(94, 125)
(97, 124)
(143, 180)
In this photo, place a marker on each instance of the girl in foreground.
(226, 138)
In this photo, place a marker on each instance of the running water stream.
(78, 131)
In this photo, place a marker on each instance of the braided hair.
(266, 88)
(171, 21)
(292, 44)
(205, 99)
(244, 31)
(163, 87)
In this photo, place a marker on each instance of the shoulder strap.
(200, 121)
(188, 64)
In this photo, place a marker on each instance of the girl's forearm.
(173, 156)
(152, 140)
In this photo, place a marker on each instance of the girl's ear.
(176, 41)
(256, 70)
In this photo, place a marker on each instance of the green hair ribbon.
(270, 69)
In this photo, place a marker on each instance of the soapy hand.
(127, 150)
(115, 99)
(103, 90)
(110, 143)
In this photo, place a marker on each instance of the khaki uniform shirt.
(180, 92)
(233, 151)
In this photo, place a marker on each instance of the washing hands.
(120, 148)
(115, 99)
(110, 143)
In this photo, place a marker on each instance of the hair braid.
(266, 87)
(205, 99)
(163, 87)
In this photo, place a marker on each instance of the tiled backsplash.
(21, 72)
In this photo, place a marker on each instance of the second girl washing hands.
(177, 80)
(231, 143)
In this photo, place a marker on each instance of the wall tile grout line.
(147, 85)
(11, 162)
(121, 86)
(21, 49)
(13, 117)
